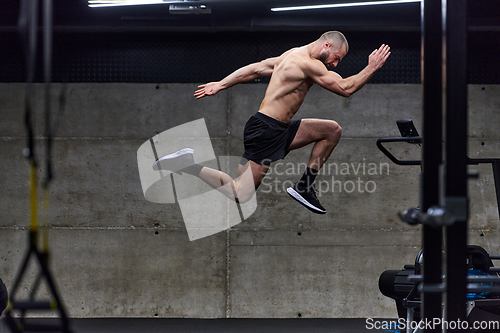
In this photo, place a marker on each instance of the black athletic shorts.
(267, 139)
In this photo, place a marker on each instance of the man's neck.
(314, 49)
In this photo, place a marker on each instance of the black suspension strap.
(28, 25)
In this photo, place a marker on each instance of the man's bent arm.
(244, 74)
(353, 83)
(348, 86)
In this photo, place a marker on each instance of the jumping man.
(271, 133)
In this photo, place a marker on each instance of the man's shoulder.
(300, 59)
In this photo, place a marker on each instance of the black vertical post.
(496, 177)
(47, 74)
(431, 152)
(455, 196)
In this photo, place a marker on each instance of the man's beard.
(323, 56)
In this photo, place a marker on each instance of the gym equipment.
(19, 323)
(409, 134)
(405, 286)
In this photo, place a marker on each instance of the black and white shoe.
(175, 162)
(307, 198)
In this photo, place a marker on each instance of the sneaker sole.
(171, 156)
(294, 194)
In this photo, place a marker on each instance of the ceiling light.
(338, 5)
(114, 3)
(189, 9)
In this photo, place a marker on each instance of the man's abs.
(283, 106)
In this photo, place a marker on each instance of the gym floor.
(140, 325)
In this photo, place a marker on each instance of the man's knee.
(244, 196)
(244, 190)
(335, 131)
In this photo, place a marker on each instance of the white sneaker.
(175, 162)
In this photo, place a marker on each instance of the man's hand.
(378, 57)
(208, 89)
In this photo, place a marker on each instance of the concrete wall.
(116, 254)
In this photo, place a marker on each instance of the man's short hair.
(336, 38)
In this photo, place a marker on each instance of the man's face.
(331, 56)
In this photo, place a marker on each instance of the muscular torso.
(288, 86)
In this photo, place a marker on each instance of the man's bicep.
(329, 80)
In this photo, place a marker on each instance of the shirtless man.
(271, 133)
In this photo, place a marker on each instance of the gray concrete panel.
(300, 235)
(14, 182)
(484, 111)
(12, 98)
(133, 111)
(129, 273)
(313, 281)
(487, 148)
(96, 184)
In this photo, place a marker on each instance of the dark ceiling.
(149, 44)
(75, 15)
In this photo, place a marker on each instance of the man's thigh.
(313, 130)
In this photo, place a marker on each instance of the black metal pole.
(47, 73)
(431, 153)
(496, 176)
(455, 196)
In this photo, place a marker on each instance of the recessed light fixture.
(189, 9)
(115, 3)
(339, 5)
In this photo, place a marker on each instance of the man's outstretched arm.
(244, 74)
(348, 86)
